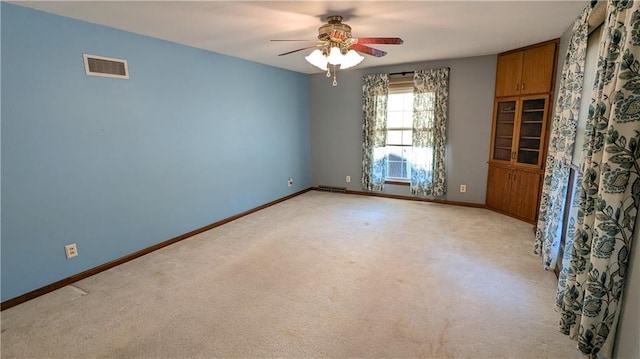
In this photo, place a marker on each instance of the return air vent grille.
(105, 66)
(332, 189)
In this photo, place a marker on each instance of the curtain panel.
(561, 141)
(589, 303)
(570, 235)
(375, 89)
(430, 111)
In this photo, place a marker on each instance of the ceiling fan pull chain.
(335, 79)
(328, 72)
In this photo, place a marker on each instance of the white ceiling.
(431, 29)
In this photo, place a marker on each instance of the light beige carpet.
(320, 275)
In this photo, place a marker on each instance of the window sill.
(398, 182)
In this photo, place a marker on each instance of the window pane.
(396, 170)
(397, 165)
(395, 119)
(399, 134)
(394, 101)
(406, 138)
(408, 101)
(394, 137)
(395, 151)
(407, 119)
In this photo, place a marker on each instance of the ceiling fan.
(336, 46)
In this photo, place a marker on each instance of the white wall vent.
(105, 66)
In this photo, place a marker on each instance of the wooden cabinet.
(498, 188)
(521, 114)
(509, 74)
(525, 72)
(519, 128)
(513, 192)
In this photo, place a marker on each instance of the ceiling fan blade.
(296, 40)
(304, 48)
(368, 50)
(379, 40)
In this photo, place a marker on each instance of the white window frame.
(401, 85)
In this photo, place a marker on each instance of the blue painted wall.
(119, 165)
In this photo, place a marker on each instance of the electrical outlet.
(463, 188)
(290, 182)
(348, 179)
(71, 250)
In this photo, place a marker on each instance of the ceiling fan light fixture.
(317, 59)
(351, 59)
(335, 56)
(336, 47)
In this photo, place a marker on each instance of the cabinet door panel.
(537, 69)
(532, 116)
(504, 122)
(524, 192)
(508, 74)
(498, 188)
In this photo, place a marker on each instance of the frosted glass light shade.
(317, 59)
(335, 56)
(351, 59)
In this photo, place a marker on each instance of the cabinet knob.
(509, 175)
(523, 86)
(517, 87)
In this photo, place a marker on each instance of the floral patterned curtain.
(561, 140)
(374, 127)
(610, 193)
(430, 107)
(570, 235)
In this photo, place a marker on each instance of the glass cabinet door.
(504, 130)
(531, 130)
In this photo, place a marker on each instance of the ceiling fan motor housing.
(336, 35)
(334, 25)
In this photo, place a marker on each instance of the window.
(404, 141)
(399, 130)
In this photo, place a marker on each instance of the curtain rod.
(406, 72)
(401, 73)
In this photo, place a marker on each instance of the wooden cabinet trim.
(539, 44)
(508, 166)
